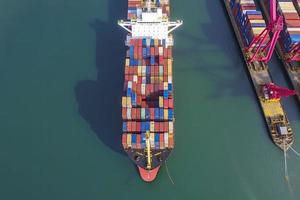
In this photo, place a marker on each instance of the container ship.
(148, 98)
(288, 45)
(257, 42)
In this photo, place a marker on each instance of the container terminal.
(288, 45)
(257, 41)
(148, 97)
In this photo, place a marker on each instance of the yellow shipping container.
(128, 102)
(129, 140)
(161, 101)
(161, 79)
(139, 70)
(169, 66)
(152, 126)
(124, 102)
(127, 62)
(152, 79)
(171, 128)
(165, 86)
(166, 114)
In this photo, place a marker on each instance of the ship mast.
(148, 149)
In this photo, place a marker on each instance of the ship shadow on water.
(99, 101)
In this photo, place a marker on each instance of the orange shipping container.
(124, 140)
(138, 141)
(161, 141)
(124, 113)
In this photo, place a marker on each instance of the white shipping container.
(166, 140)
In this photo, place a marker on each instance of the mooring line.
(298, 154)
(167, 169)
(285, 163)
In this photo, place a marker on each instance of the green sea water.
(61, 74)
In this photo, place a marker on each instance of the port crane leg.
(256, 48)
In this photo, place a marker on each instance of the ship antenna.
(167, 169)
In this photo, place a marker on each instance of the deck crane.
(272, 92)
(260, 49)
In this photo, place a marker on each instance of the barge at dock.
(148, 99)
(272, 109)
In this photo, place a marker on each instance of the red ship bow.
(148, 175)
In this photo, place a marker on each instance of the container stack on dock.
(249, 18)
(147, 104)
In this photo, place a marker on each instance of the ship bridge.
(152, 23)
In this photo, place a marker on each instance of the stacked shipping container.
(249, 18)
(134, 5)
(147, 105)
(290, 36)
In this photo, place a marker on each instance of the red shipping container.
(138, 113)
(129, 126)
(126, 78)
(165, 78)
(166, 126)
(156, 126)
(139, 80)
(144, 103)
(133, 113)
(169, 52)
(138, 89)
(161, 86)
(161, 126)
(135, 70)
(130, 77)
(152, 51)
(171, 103)
(133, 126)
(139, 100)
(165, 53)
(156, 51)
(152, 70)
(166, 103)
(151, 88)
(161, 60)
(161, 141)
(147, 90)
(165, 70)
(134, 86)
(135, 53)
(156, 71)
